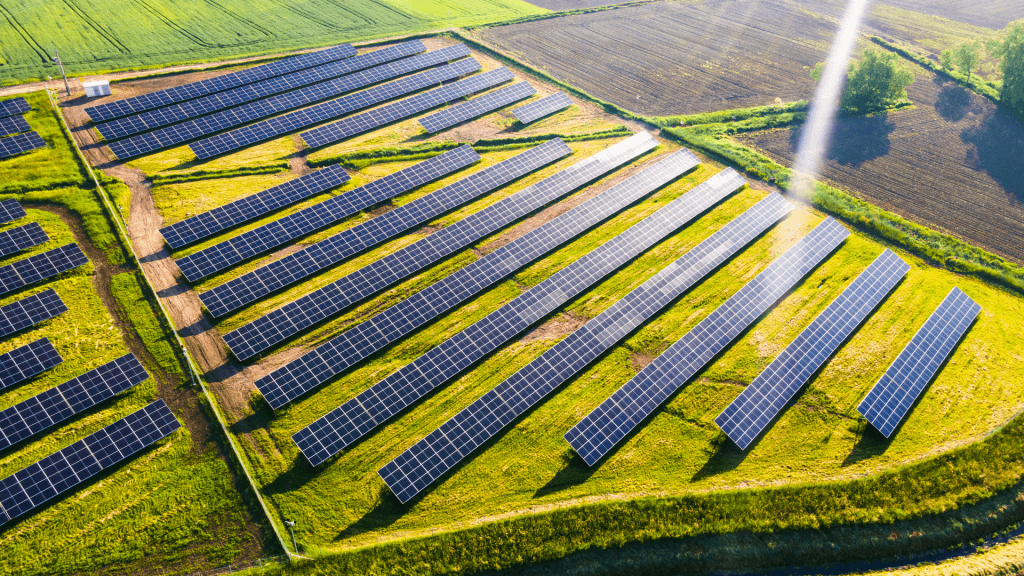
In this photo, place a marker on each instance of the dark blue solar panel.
(442, 449)
(478, 106)
(14, 107)
(543, 107)
(10, 210)
(15, 145)
(17, 239)
(26, 312)
(41, 266)
(13, 125)
(891, 398)
(25, 362)
(761, 401)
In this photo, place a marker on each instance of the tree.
(874, 83)
(967, 57)
(1011, 61)
(946, 60)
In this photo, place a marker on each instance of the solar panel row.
(761, 401)
(26, 312)
(543, 107)
(478, 106)
(103, 112)
(891, 398)
(230, 252)
(15, 145)
(13, 107)
(274, 127)
(13, 125)
(355, 418)
(40, 266)
(146, 121)
(39, 482)
(294, 267)
(25, 362)
(22, 237)
(65, 400)
(251, 207)
(226, 119)
(10, 210)
(321, 364)
(442, 449)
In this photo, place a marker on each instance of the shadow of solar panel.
(25, 362)
(14, 107)
(251, 207)
(326, 361)
(103, 112)
(34, 485)
(891, 398)
(10, 210)
(543, 107)
(173, 114)
(230, 252)
(13, 125)
(478, 106)
(41, 266)
(29, 311)
(433, 456)
(14, 145)
(366, 121)
(765, 397)
(308, 261)
(57, 404)
(609, 423)
(17, 239)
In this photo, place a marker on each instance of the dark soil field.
(993, 14)
(678, 58)
(953, 163)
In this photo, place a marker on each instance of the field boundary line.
(194, 372)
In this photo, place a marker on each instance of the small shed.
(97, 88)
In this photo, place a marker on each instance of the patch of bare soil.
(555, 328)
(298, 162)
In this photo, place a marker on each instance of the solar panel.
(251, 207)
(13, 125)
(34, 485)
(431, 457)
(308, 261)
(541, 108)
(353, 419)
(61, 402)
(40, 267)
(326, 361)
(10, 210)
(25, 362)
(14, 107)
(221, 83)
(761, 401)
(150, 120)
(14, 145)
(478, 106)
(26, 312)
(891, 398)
(243, 137)
(22, 237)
(366, 121)
(230, 252)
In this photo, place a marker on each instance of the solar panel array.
(153, 119)
(313, 115)
(25, 362)
(10, 210)
(246, 113)
(14, 107)
(294, 267)
(891, 398)
(442, 449)
(348, 127)
(609, 423)
(34, 485)
(251, 207)
(103, 112)
(13, 125)
(14, 145)
(22, 237)
(26, 312)
(314, 368)
(40, 266)
(65, 400)
(230, 252)
(353, 419)
(761, 401)
(543, 107)
(478, 106)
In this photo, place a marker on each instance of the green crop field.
(92, 37)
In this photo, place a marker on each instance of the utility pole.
(291, 524)
(56, 58)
